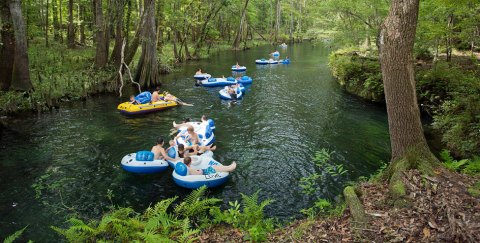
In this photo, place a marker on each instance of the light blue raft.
(204, 131)
(214, 82)
(184, 179)
(142, 162)
(202, 76)
(245, 80)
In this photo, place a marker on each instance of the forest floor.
(438, 209)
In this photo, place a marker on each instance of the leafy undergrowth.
(439, 209)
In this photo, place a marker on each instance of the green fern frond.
(14, 236)
(160, 207)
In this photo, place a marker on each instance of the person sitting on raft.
(133, 100)
(203, 119)
(237, 66)
(191, 137)
(159, 152)
(209, 170)
(166, 97)
(199, 72)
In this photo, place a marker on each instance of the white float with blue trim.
(202, 76)
(265, 62)
(276, 54)
(184, 179)
(214, 82)
(224, 95)
(204, 131)
(239, 68)
(245, 80)
(142, 162)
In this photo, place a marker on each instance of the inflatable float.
(142, 162)
(239, 68)
(224, 95)
(214, 82)
(265, 62)
(283, 45)
(284, 61)
(184, 179)
(245, 80)
(276, 54)
(127, 108)
(204, 131)
(202, 76)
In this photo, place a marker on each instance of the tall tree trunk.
(238, 37)
(117, 49)
(449, 38)
(160, 23)
(82, 24)
(61, 22)
(277, 21)
(21, 72)
(55, 20)
(203, 31)
(101, 50)
(46, 24)
(70, 27)
(409, 147)
(128, 20)
(147, 69)
(7, 50)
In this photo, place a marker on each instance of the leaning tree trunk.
(147, 69)
(101, 50)
(238, 37)
(7, 49)
(70, 27)
(409, 147)
(21, 72)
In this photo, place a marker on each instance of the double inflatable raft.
(245, 80)
(145, 106)
(184, 179)
(265, 62)
(142, 162)
(214, 82)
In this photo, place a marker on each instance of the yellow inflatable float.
(128, 108)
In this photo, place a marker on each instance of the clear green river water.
(63, 162)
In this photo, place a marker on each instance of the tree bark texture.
(21, 71)
(396, 55)
(55, 20)
(238, 37)
(101, 49)
(70, 27)
(7, 49)
(46, 24)
(147, 69)
(117, 49)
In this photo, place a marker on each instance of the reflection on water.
(72, 157)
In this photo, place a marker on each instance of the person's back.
(199, 72)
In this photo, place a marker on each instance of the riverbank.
(446, 91)
(61, 75)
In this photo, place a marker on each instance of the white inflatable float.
(202, 162)
(142, 162)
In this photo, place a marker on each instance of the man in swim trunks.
(209, 170)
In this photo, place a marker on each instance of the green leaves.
(14, 236)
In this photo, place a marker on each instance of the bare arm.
(194, 172)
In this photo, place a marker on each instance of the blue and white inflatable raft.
(204, 131)
(265, 62)
(224, 95)
(239, 68)
(202, 76)
(214, 82)
(142, 162)
(184, 179)
(245, 80)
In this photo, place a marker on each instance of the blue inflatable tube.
(276, 54)
(204, 131)
(214, 82)
(184, 179)
(245, 80)
(224, 95)
(142, 162)
(285, 61)
(239, 68)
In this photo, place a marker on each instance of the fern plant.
(196, 207)
(14, 236)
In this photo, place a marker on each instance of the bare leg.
(225, 168)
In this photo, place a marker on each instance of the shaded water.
(55, 164)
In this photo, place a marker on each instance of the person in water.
(133, 100)
(199, 72)
(159, 152)
(209, 170)
(237, 66)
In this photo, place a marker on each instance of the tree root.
(356, 208)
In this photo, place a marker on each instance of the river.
(68, 161)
